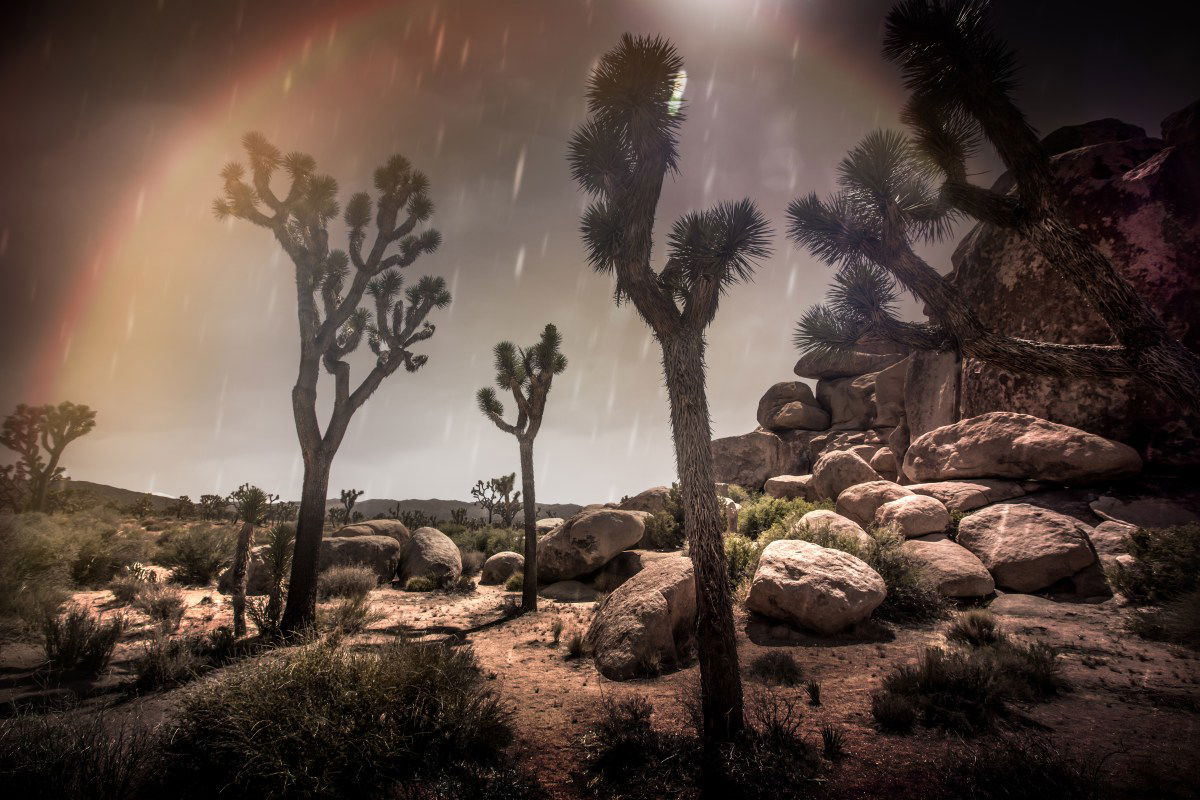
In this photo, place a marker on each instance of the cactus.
(331, 287)
(528, 374)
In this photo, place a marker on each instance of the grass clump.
(419, 583)
(78, 641)
(165, 605)
(625, 756)
(350, 615)
(167, 661)
(472, 562)
(576, 646)
(346, 581)
(1166, 564)
(1023, 768)
(515, 582)
(969, 688)
(1176, 621)
(197, 554)
(776, 668)
(319, 721)
(77, 756)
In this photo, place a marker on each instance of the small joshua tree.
(252, 505)
(894, 190)
(486, 497)
(508, 501)
(527, 374)
(330, 286)
(620, 156)
(345, 514)
(183, 507)
(39, 435)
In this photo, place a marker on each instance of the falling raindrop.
(520, 265)
(518, 173)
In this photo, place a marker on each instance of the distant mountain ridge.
(369, 508)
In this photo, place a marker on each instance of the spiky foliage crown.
(527, 373)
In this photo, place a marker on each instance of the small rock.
(500, 567)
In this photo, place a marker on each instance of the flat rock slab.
(1144, 512)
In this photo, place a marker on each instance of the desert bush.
(165, 605)
(762, 512)
(463, 585)
(976, 627)
(168, 661)
(77, 756)
(1022, 768)
(419, 583)
(911, 596)
(472, 562)
(967, 690)
(515, 582)
(78, 641)
(1166, 564)
(626, 757)
(741, 558)
(663, 532)
(776, 668)
(197, 554)
(575, 645)
(1176, 621)
(737, 493)
(488, 541)
(319, 721)
(346, 581)
(350, 615)
(833, 742)
(126, 585)
(101, 556)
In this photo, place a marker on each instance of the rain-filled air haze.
(122, 291)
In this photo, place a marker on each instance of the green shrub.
(1166, 564)
(319, 721)
(78, 641)
(346, 581)
(100, 557)
(197, 554)
(515, 582)
(663, 532)
(472, 562)
(464, 585)
(78, 756)
(894, 713)
(165, 605)
(763, 512)
(738, 494)
(126, 585)
(351, 615)
(911, 596)
(776, 668)
(488, 541)
(1176, 621)
(741, 558)
(166, 662)
(976, 627)
(419, 583)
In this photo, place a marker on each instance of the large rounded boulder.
(913, 516)
(380, 553)
(500, 567)
(431, 554)
(1026, 548)
(647, 623)
(791, 406)
(586, 542)
(816, 588)
(830, 522)
(954, 569)
(969, 495)
(652, 500)
(1002, 444)
(790, 487)
(859, 502)
(837, 471)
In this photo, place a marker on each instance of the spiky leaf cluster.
(526, 373)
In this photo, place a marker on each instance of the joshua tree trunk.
(301, 609)
(241, 563)
(529, 587)
(721, 684)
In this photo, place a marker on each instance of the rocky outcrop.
(547, 524)
(859, 502)
(376, 527)
(822, 521)
(500, 567)
(954, 569)
(1144, 512)
(847, 365)
(1003, 444)
(1137, 198)
(648, 623)
(1026, 548)
(431, 554)
(791, 406)
(930, 393)
(850, 401)
(380, 553)
(913, 516)
(750, 459)
(817, 588)
(884, 462)
(652, 500)
(837, 471)
(587, 541)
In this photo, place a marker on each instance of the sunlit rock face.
(1138, 198)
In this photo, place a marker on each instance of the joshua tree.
(212, 506)
(252, 505)
(141, 508)
(277, 557)
(486, 497)
(345, 514)
(39, 435)
(508, 502)
(458, 516)
(330, 285)
(620, 156)
(894, 191)
(527, 373)
(184, 507)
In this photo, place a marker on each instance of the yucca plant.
(252, 505)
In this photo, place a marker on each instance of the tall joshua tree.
(252, 505)
(330, 286)
(620, 156)
(526, 373)
(894, 190)
(39, 435)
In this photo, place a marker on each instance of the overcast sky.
(121, 291)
